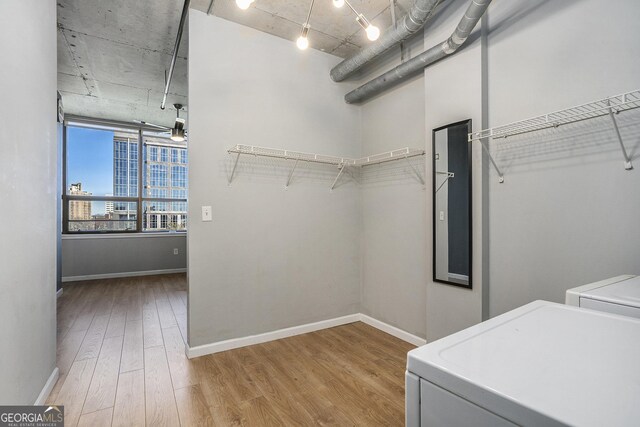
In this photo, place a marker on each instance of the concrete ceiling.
(112, 54)
(333, 30)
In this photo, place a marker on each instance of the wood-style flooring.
(121, 355)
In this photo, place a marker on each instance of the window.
(103, 179)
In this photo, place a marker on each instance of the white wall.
(104, 255)
(567, 213)
(453, 94)
(394, 249)
(28, 191)
(271, 258)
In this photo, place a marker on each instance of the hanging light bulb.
(303, 41)
(373, 32)
(338, 3)
(244, 4)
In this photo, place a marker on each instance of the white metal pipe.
(183, 17)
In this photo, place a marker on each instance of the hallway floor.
(121, 355)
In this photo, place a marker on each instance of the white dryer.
(543, 364)
(619, 295)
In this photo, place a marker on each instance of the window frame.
(140, 129)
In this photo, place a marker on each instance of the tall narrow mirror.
(452, 204)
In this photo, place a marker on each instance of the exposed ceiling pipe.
(413, 21)
(183, 17)
(373, 87)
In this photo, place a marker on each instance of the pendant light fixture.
(372, 31)
(177, 131)
(303, 41)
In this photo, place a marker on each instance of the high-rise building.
(79, 210)
(108, 206)
(125, 174)
(164, 176)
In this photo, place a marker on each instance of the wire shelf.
(340, 162)
(289, 155)
(610, 106)
(591, 110)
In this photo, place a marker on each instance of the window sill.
(123, 235)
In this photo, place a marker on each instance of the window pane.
(165, 177)
(92, 215)
(163, 216)
(102, 162)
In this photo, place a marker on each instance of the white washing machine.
(619, 295)
(543, 364)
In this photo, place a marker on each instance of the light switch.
(206, 213)
(441, 215)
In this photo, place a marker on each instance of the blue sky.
(90, 159)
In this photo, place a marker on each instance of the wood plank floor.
(122, 363)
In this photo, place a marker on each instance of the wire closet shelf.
(340, 162)
(610, 106)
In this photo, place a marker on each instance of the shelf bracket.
(291, 173)
(627, 160)
(335, 181)
(449, 176)
(415, 170)
(233, 171)
(493, 162)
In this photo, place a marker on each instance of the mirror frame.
(433, 202)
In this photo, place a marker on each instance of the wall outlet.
(175, 251)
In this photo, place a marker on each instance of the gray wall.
(567, 213)
(452, 94)
(28, 190)
(394, 249)
(84, 256)
(271, 258)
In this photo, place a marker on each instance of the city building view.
(164, 178)
(79, 210)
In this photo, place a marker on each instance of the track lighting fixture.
(302, 42)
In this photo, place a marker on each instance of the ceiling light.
(244, 4)
(372, 31)
(338, 3)
(177, 131)
(303, 41)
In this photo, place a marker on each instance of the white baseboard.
(46, 390)
(392, 330)
(217, 347)
(125, 274)
(230, 344)
(59, 293)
